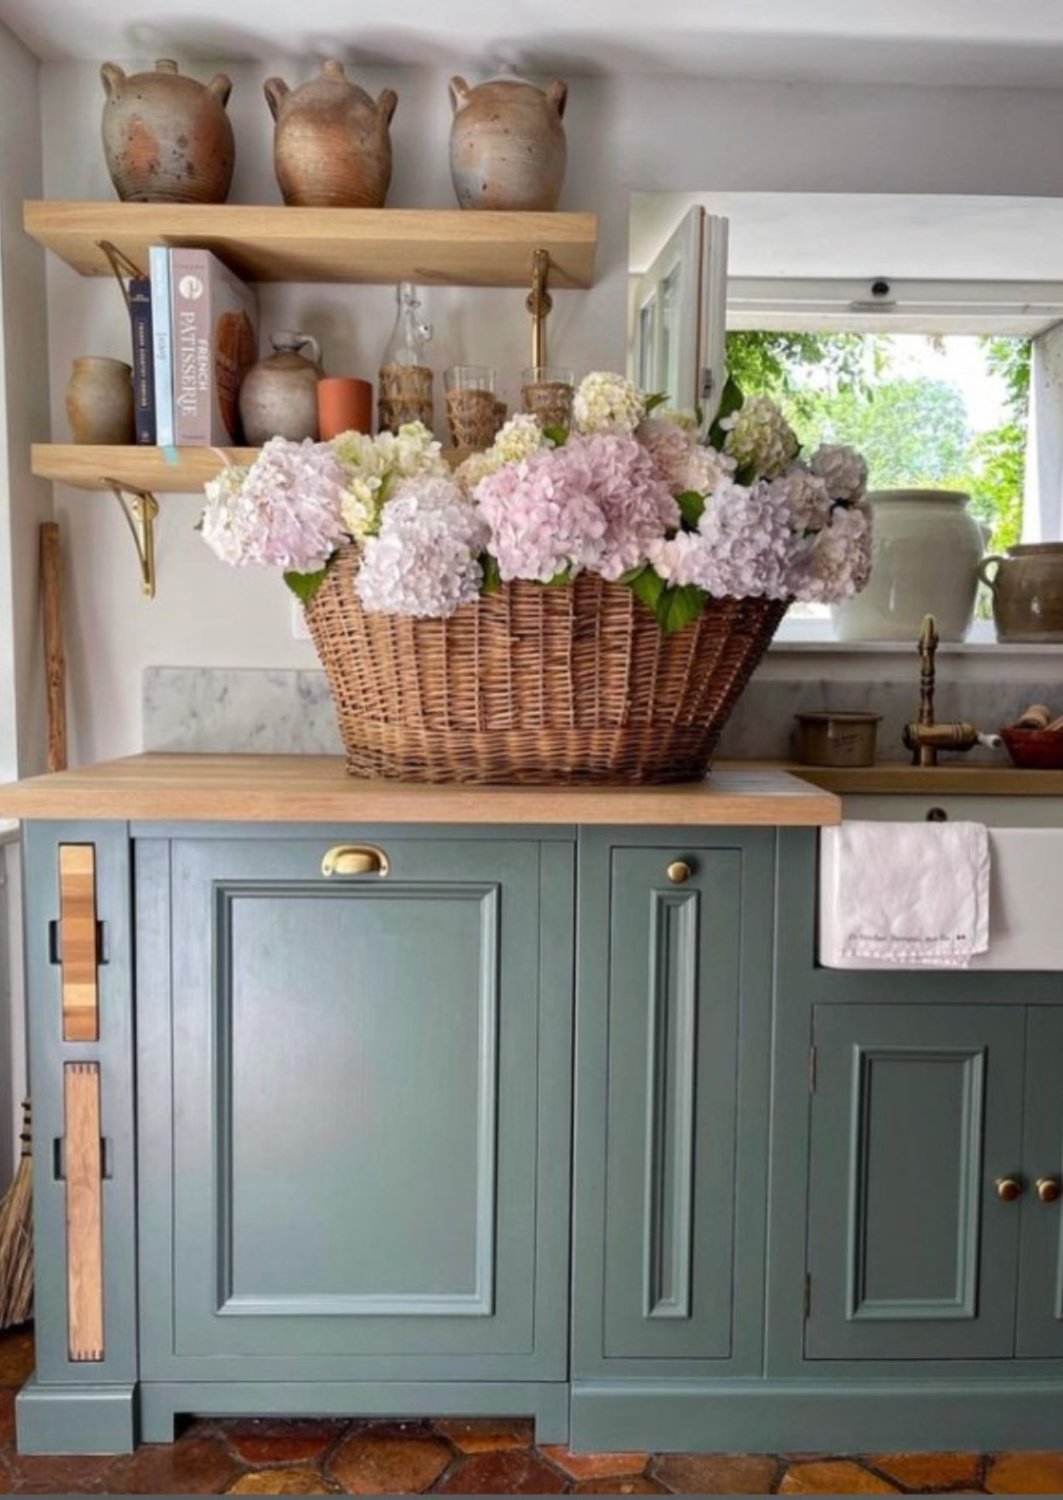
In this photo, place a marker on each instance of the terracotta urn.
(507, 144)
(1027, 588)
(167, 138)
(278, 395)
(331, 144)
(99, 400)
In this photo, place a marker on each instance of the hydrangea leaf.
(691, 508)
(492, 577)
(556, 435)
(305, 585)
(677, 608)
(565, 576)
(648, 585)
(730, 402)
(657, 399)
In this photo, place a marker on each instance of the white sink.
(1026, 881)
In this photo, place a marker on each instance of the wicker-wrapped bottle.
(405, 379)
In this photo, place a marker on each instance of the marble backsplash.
(264, 711)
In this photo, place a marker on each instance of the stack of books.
(195, 335)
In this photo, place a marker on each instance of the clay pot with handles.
(1027, 589)
(507, 144)
(332, 143)
(167, 138)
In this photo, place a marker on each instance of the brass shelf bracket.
(140, 513)
(539, 303)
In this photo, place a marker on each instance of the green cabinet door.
(1040, 1326)
(366, 1171)
(916, 1113)
(667, 969)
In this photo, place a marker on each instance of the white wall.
(624, 133)
(24, 501)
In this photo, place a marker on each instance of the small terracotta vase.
(99, 400)
(507, 144)
(344, 405)
(278, 395)
(167, 139)
(331, 145)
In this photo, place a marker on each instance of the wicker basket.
(534, 684)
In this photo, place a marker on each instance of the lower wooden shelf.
(160, 471)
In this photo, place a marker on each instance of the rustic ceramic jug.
(167, 139)
(507, 144)
(99, 400)
(1027, 589)
(331, 145)
(278, 395)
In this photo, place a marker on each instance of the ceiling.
(896, 41)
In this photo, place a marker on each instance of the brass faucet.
(924, 738)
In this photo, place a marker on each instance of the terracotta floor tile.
(1026, 1474)
(59, 1475)
(16, 1356)
(619, 1484)
(486, 1435)
(928, 1471)
(520, 1472)
(269, 1440)
(284, 1482)
(715, 1473)
(384, 1462)
(195, 1465)
(833, 1477)
(596, 1465)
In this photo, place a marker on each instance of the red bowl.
(1034, 749)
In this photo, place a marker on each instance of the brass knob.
(1010, 1188)
(355, 859)
(1049, 1189)
(679, 872)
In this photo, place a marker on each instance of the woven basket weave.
(534, 684)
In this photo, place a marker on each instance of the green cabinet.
(1039, 1326)
(673, 1001)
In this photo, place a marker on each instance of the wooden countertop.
(315, 789)
(953, 779)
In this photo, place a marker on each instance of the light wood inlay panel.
(84, 1210)
(77, 942)
(442, 247)
(314, 788)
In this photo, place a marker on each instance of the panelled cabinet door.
(354, 1172)
(1040, 1329)
(916, 1115)
(674, 974)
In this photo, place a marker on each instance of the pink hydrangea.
(425, 559)
(742, 548)
(283, 512)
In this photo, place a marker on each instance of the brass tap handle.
(1010, 1188)
(1049, 1189)
(928, 644)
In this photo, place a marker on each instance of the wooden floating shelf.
(443, 247)
(160, 471)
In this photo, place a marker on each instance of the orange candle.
(344, 405)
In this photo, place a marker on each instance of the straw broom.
(16, 1235)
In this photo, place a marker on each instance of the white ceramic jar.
(924, 561)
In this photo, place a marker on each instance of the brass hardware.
(924, 738)
(355, 859)
(1049, 1189)
(679, 872)
(539, 303)
(140, 518)
(1010, 1188)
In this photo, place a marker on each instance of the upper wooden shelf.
(443, 247)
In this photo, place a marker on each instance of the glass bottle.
(405, 379)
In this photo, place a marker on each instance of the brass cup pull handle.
(1010, 1188)
(679, 872)
(1049, 1189)
(355, 859)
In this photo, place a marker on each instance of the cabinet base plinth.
(815, 1415)
(75, 1418)
(161, 1402)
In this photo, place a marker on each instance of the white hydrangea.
(221, 523)
(605, 402)
(837, 564)
(707, 469)
(804, 497)
(375, 464)
(424, 561)
(741, 549)
(843, 471)
(515, 440)
(760, 438)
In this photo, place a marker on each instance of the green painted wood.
(807, 1415)
(673, 1011)
(1039, 1331)
(359, 1148)
(75, 1418)
(114, 1051)
(163, 1401)
(916, 1113)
